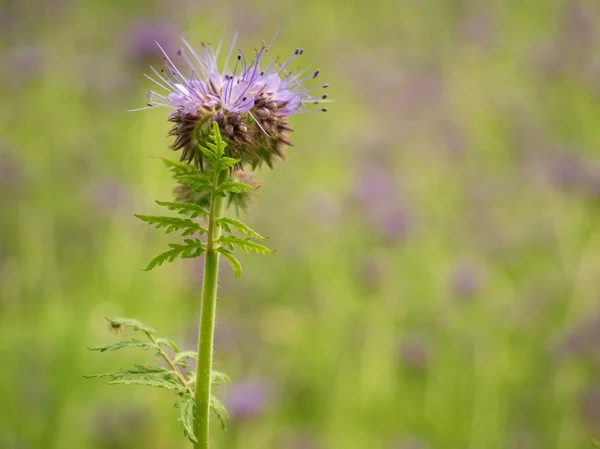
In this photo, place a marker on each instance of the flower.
(251, 103)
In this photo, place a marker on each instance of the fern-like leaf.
(245, 244)
(133, 343)
(219, 409)
(234, 187)
(219, 378)
(235, 264)
(191, 248)
(192, 210)
(188, 226)
(185, 416)
(178, 168)
(182, 358)
(227, 223)
(120, 322)
(197, 182)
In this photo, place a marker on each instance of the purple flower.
(143, 37)
(248, 398)
(251, 102)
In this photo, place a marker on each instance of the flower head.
(250, 102)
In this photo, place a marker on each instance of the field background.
(437, 277)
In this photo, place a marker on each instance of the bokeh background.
(437, 277)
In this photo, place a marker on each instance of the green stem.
(207, 319)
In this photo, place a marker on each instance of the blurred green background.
(437, 274)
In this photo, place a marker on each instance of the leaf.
(235, 264)
(133, 343)
(234, 187)
(228, 162)
(219, 144)
(193, 210)
(182, 357)
(158, 382)
(219, 378)
(118, 322)
(227, 223)
(245, 244)
(197, 182)
(168, 343)
(188, 226)
(149, 375)
(185, 416)
(220, 410)
(192, 248)
(178, 168)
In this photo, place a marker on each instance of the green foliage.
(185, 415)
(117, 323)
(170, 378)
(227, 224)
(191, 248)
(182, 358)
(191, 209)
(234, 187)
(219, 409)
(245, 244)
(133, 343)
(189, 227)
(235, 264)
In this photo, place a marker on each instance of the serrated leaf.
(191, 248)
(192, 210)
(167, 384)
(227, 223)
(178, 168)
(228, 162)
(234, 187)
(219, 409)
(118, 322)
(235, 264)
(149, 375)
(219, 144)
(185, 416)
(168, 343)
(245, 244)
(188, 226)
(198, 182)
(219, 378)
(133, 343)
(182, 357)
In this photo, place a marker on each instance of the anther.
(315, 74)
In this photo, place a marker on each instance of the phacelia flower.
(251, 102)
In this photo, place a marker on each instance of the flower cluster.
(251, 103)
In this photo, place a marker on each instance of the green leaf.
(119, 322)
(219, 409)
(179, 168)
(219, 378)
(168, 343)
(182, 357)
(149, 375)
(219, 144)
(245, 244)
(192, 248)
(191, 209)
(235, 264)
(185, 416)
(133, 343)
(228, 162)
(198, 182)
(227, 223)
(234, 187)
(188, 226)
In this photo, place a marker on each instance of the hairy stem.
(207, 318)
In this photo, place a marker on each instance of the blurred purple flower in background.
(378, 196)
(248, 398)
(465, 280)
(414, 352)
(142, 38)
(590, 409)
